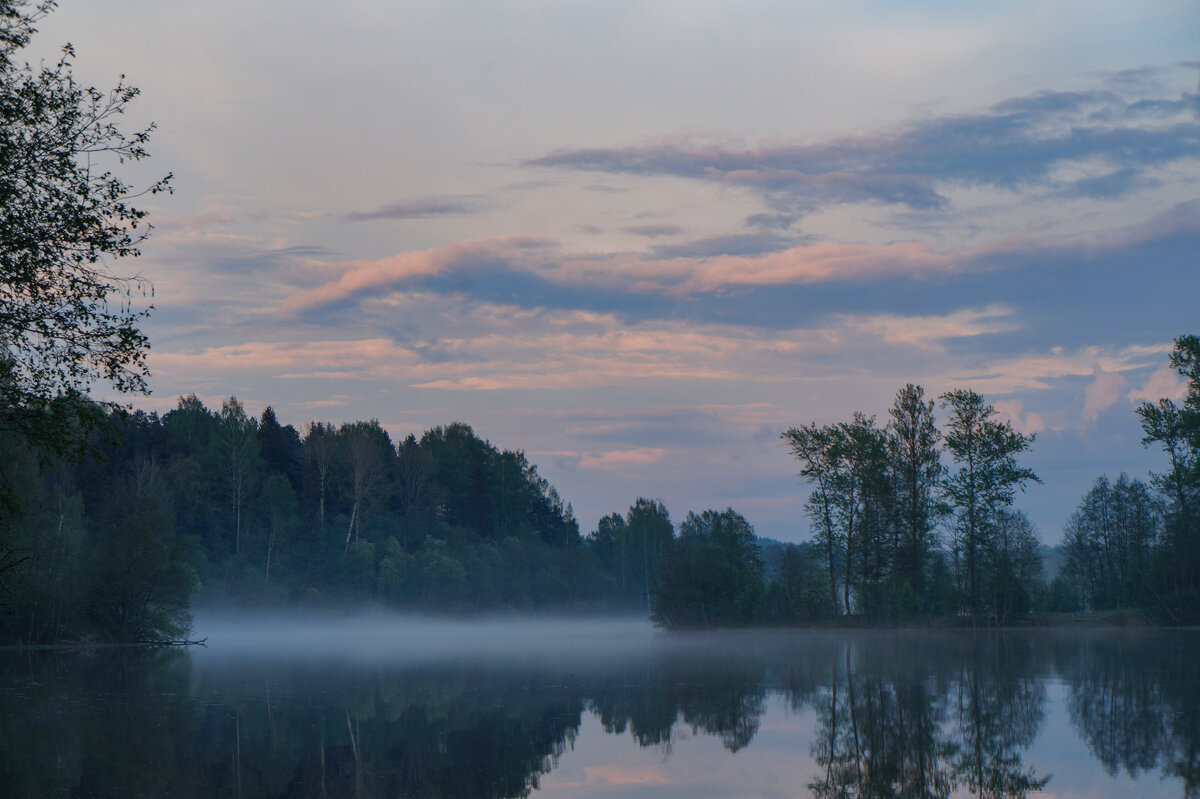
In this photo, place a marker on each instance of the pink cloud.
(359, 277)
(820, 262)
(810, 263)
(928, 332)
(1026, 422)
(1102, 393)
(1163, 382)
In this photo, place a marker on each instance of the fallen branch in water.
(180, 642)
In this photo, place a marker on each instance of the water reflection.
(888, 715)
(1137, 704)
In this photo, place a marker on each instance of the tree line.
(227, 508)
(1132, 544)
(911, 520)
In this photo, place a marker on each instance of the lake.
(387, 707)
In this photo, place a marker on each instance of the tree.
(368, 455)
(238, 448)
(713, 575)
(1177, 430)
(68, 318)
(319, 448)
(1108, 543)
(916, 464)
(282, 450)
(649, 525)
(846, 462)
(141, 580)
(984, 484)
(861, 485)
(815, 448)
(279, 503)
(1014, 567)
(610, 542)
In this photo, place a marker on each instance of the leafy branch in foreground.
(68, 318)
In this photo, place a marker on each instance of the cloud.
(323, 403)
(1014, 144)
(933, 330)
(1109, 186)
(492, 348)
(610, 460)
(1025, 422)
(733, 244)
(424, 208)
(1102, 393)
(624, 775)
(1038, 371)
(339, 359)
(668, 279)
(654, 231)
(1163, 382)
(677, 427)
(814, 263)
(359, 277)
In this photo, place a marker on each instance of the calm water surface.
(391, 708)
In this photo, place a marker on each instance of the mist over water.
(379, 637)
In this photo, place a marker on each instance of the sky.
(639, 240)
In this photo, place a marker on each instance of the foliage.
(980, 490)
(141, 583)
(1109, 541)
(67, 317)
(246, 510)
(258, 514)
(632, 548)
(1177, 430)
(712, 575)
(878, 495)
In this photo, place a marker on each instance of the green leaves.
(67, 319)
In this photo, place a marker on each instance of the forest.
(910, 522)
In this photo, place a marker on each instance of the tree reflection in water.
(896, 715)
(1135, 700)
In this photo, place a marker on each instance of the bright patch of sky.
(639, 240)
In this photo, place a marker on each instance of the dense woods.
(912, 521)
(238, 510)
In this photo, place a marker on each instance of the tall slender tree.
(983, 484)
(237, 444)
(916, 464)
(649, 526)
(815, 448)
(369, 458)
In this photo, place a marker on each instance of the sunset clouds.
(637, 241)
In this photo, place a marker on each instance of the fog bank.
(384, 637)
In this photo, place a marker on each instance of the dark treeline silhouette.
(912, 521)
(882, 494)
(1133, 545)
(234, 509)
(895, 715)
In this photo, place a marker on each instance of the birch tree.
(983, 483)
